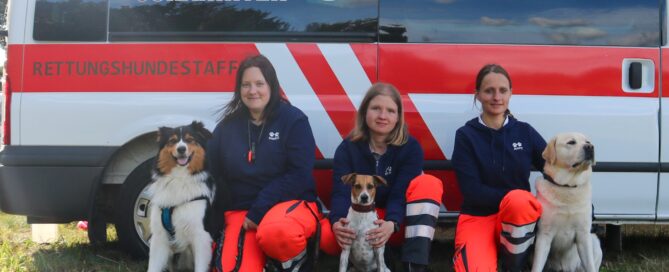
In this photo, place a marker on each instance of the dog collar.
(363, 208)
(550, 179)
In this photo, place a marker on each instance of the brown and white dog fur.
(361, 254)
(181, 182)
(564, 241)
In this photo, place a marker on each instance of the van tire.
(130, 229)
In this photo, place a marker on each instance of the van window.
(566, 22)
(70, 20)
(254, 20)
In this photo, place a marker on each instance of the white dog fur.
(190, 238)
(184, 186)
(564, 241)
(361, 255)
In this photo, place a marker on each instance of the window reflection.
(245, 16)
(619, 23)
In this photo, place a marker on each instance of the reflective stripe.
(422, 208)
(516, 249)
(419, 231)
(299, 258)
(518, 231)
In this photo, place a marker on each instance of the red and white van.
(88, 82)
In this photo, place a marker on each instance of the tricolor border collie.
(182, 191)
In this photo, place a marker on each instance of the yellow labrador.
(564, 241)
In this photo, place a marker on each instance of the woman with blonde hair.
(408, 206)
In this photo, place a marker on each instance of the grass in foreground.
(646, 248)
(70, 253)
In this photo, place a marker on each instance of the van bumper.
(51, 184)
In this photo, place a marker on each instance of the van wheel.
(132, 220)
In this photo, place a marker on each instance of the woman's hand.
(379, 236)
(344, 234)
(249, 225)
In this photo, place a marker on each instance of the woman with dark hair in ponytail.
(492, 157)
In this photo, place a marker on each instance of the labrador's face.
(571, 151)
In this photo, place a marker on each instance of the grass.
(645, 249)
(70, 253)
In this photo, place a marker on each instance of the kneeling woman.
(492, 158)
(380, 145)
(262, 156)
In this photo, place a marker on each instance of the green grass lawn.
(646, 248)
(70, 253)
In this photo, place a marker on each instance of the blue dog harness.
(166, 215)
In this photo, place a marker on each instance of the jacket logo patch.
(388, 171)
(273, 136)
(517, 146)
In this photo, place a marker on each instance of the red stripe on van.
(367, 56)
(541, 70)
(665, 73)
(325, 84)
(15, 66)
(133, 67)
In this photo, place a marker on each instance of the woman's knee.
(423, 187)
(281, 242)
(520, 202)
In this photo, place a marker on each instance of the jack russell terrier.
(361, 216)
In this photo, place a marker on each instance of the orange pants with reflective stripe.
(423, 197)
(477, 238)
(281, 235)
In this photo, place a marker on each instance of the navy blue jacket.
(285, 156)
(398, 166)
(489, 163)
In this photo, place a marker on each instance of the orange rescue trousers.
(282, 235)
(509, 233)
(283, 232)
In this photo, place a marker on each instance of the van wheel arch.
(132, 219)
(111, 193)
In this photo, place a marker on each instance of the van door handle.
(638, 75)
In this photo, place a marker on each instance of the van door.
(587, 66)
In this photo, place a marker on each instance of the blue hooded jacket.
(282, 168)
(398, 166)
(489, 163)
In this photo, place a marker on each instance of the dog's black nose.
(181, 149)
(364, 199)
(589, 151)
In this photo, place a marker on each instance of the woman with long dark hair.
(262, 157)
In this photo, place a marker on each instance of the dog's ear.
(549, 153)
(348, 178)
(379, 180)
(201, 130)
(163, 135)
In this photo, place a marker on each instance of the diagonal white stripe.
(300, 94)
(348, 70)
